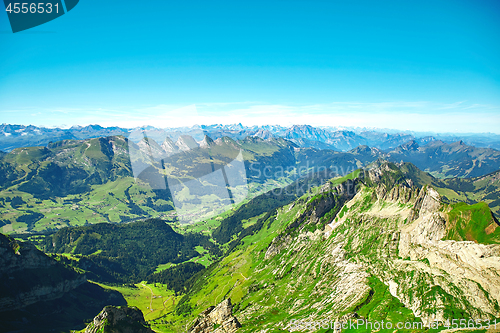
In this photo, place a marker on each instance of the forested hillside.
(125, 253)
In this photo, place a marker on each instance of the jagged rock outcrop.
(218, 319)
(151, 148)
(263, 134)
(473, 267)
(391, 238)
(278, 243)
(206, 142)
(330, 198)
(169, 146)
(186, 142)
(28, 276)
(122, 319)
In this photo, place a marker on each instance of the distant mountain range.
(16, 136)
(79, 182)
(335, 138)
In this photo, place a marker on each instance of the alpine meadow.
(239, 167)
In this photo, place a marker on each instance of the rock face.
(218, 319)
(27, 275)
(473, 267)
(186, 142)
(278, 243)
(169, 146)
(206, 142)
(119, 320)
(151, 147)
(390, 239)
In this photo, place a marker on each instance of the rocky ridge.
(122, 319)
(385, 249)
(472, 267)
(218, 319)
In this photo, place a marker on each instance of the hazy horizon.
(426, 66)
(323, 127)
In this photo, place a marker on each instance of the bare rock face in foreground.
(122, 319)
(28, 276)
(218, 319)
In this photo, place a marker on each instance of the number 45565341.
(32, 8)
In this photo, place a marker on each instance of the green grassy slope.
(473, 223)
(470, 190)
(327, 255)
(79, 182)
(116, 201)
(349, 271)
(270, 293)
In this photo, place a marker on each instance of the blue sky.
(410, 65)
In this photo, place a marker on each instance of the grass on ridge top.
(473, 223)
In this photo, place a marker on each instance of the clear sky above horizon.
(409, 65)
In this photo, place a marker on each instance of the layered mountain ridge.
(336, 138)
(21, 264)
(392, 252)
(378, 244)
(75, 171)
(39, 294)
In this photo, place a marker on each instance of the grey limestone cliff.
(218, 319)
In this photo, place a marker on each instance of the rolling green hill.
(445, 160)
(392, 251)
(72, 183)
(80, 182)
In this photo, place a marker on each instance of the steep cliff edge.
(464, 270)
(28, 276)
(387, 250)
(38, 294)
(398, 234)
